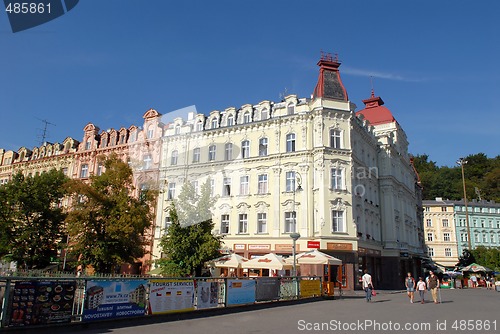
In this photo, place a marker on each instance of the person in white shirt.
(421, 286)
(367, 285)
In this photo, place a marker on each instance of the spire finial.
(371, 82)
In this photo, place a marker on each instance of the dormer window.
(199, 125)
(230, 120)
(150, 132)
(177, 129)
(87, 145)
(264, 114)
(246, 117)
(290, 109)
(214, 123)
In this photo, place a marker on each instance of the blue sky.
(436, 64)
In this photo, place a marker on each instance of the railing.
(28, 301)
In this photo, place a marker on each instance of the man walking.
(434, 286)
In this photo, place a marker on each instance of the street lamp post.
(461, 162)
(295, 237)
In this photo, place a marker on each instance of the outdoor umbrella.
(476, 268)
(229, 261)
(268, 261)
(317, 257)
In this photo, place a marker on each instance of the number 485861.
(27, 8)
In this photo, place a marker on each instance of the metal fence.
(57, 298)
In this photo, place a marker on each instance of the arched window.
(199, 125)
(230, 120)
(246, 117)
(290, 109)
(214, 123)
(177, 129)
(264, 114)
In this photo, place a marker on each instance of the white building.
(313, 166)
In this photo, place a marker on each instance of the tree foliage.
(189, 242)
(32, 219)
(107, 223)
(487, 256)
(480, 173)
(467, 258)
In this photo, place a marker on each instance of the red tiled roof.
(374, 112)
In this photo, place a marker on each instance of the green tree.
(32, 219)
(189, 242)
(487, 256)
(107, 223)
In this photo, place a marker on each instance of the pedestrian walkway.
(348, 315)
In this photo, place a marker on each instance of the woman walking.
(410, 287)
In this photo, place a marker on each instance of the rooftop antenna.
(44, 134)
(284, 94)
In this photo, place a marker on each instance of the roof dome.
(374, 111)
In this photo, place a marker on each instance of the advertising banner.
(42, 302)
(310, 288)
(168, 296)
(114, 299)
(268, 288)
(208, 294)
(240, 291)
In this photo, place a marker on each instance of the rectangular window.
(224, 224)
(338, 221)
(262, 184)
(243, 223)
(263, 147)
(262, 223)
(290, 222)
(430, 237)
(463, 237)
(447, 252)
(226, 191)
(430, 252)
(445, 223)
(228, 151)
(446, 237)
(443, 209)
(167, 224)
(290, 142)
(84, 172)
(196, 155)
(195, 187)
(336, 180)
(174, 157)
(212, 187)
(290, 181)
(147, 161)
(429, 222)
(88, 145)
(244, 185)
(100, 170)
(171, 191)
(245, 149)
(335, 138)
(211, 153)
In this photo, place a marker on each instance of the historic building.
(484, 224)
(440, 233)
(446, 232)
(140, 147)
(314, 166)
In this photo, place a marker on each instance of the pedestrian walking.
(367, 285)
(434, 286)
(410, 287)
(421, 287)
